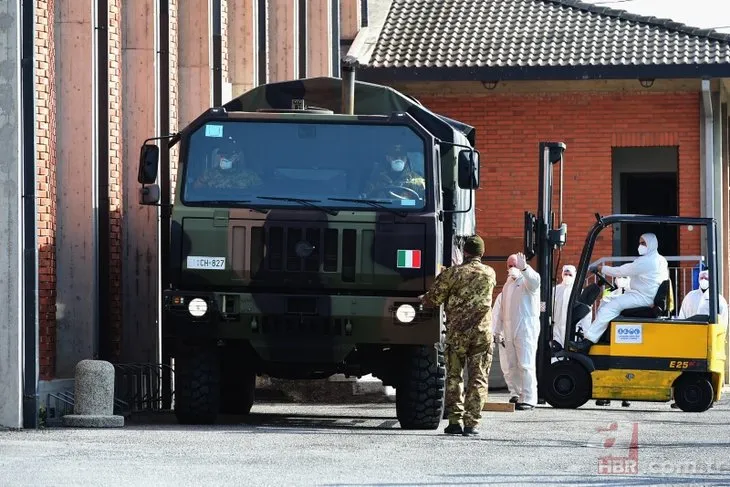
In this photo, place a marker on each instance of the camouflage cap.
(474, 245)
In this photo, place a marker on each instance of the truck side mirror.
(468, 169)
(149, 157)
(149, 195)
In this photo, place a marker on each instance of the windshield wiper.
(373, 203)
(301, 201)
(231, 203)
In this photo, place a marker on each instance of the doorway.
(646, 182)
(649, 194)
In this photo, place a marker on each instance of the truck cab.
(301, 238)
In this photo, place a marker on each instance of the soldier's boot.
(454, 429)
(471, 431)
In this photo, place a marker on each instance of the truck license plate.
(202, 262)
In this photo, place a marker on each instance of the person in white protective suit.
(517, 329)
(498, 328)
(647, 272)
(622, 286)
(561, 294)
(697, 302)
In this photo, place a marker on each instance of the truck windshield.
(336, 164)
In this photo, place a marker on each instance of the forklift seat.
(663, 304)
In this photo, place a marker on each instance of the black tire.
(238, 390)
(568, 385)
(693, 393)
(419, 399)
(238, 382)
(197, 384)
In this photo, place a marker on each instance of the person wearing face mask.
(697, 302)
(517, 329)
(646, 272)
(398, 172)
(228, 170)
(561, 292)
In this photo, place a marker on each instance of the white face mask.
(704, 284)
(397, 164)
(643, 249)
(568, 280)
(226, 164)
(513, 272)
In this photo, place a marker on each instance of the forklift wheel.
(568, 384)
(693, 393)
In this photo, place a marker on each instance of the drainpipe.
(163, 50)
(103, 311)
(29, 272)
(709, 129)
(217, 53)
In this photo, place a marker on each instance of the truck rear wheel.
(197, 384)
(420, 392)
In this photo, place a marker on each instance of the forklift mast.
(540, 240)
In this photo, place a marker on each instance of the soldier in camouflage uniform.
(397, 173)
(228, 170)
(466, 290)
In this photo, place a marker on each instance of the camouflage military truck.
(297, 250)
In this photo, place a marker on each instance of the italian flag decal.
(409, 259)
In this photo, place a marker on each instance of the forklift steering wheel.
(602, 279)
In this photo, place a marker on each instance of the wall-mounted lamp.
(646, 83)
(490, 85)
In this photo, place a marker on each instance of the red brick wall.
(510, 126)
(174, 33)
(224, 43)
(115, 173)
(46, 182)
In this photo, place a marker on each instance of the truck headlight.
(405, 313)
(198, 307)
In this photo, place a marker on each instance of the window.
(245, 162)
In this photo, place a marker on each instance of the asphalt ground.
(362, 444)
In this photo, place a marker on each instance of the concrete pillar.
(319, 38)
(194, 60)
(75, 236)
(139, 223)
(719, 213)
(11, 332)
(349, 19)
(283, 40)
(243, 45)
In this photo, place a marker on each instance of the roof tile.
(514, 33)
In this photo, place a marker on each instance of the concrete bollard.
(94, 397)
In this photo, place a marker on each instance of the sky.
(696, 13)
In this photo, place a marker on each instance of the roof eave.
(544, 73)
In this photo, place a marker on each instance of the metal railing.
(139, 386)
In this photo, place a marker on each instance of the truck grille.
(289, 326)
(302, 249)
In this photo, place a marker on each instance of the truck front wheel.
(420, 392)
(197, 384)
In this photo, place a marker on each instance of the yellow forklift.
(646, 354)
